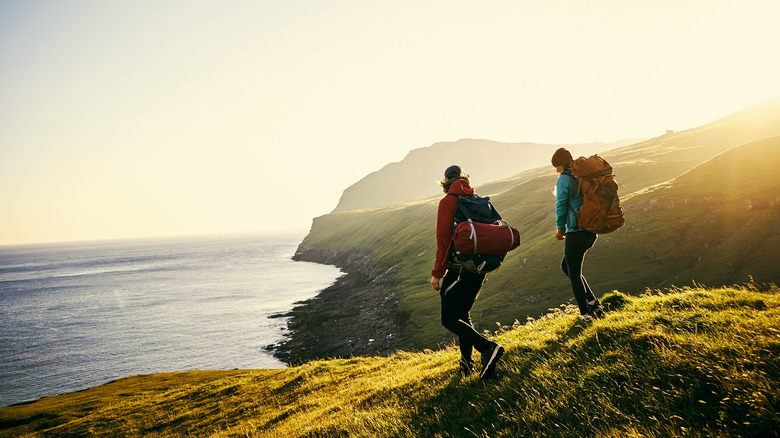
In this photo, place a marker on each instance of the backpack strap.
(574, 180)
(465, 213)
(571, 195)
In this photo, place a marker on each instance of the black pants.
(459, 291)
(576, 245)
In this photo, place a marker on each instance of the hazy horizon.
(141, 119)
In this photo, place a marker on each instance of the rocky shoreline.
(356, 316)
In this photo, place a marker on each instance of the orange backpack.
(601, 211)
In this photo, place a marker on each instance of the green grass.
(677, 362)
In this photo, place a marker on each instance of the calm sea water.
(79, 315)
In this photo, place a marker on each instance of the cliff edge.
(356, 316)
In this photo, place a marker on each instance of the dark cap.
(454, 171)
(561, 157)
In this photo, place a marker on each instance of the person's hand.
(435, 283)
(560, 234)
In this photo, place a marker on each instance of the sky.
(125, 119)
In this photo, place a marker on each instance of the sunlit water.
(79, 315)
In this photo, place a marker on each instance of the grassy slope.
(646, 252)
(682, 362)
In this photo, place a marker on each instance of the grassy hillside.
(692, 214)
(679, 362)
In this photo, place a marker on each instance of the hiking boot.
(466, 367)
(490, 358)
(596, 311)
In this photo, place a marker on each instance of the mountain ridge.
(414, 177)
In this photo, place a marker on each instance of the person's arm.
(444, 220)
(562, 194)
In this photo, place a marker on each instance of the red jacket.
(445, 219)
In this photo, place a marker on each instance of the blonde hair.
(447, 182)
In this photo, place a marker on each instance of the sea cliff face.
(357, 316)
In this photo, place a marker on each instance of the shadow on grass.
(469, 406)
(612, 379)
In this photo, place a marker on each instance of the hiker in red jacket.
(459, 288)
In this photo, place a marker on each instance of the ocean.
(73, 316)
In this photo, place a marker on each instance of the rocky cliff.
(357, 316)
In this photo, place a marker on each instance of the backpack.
(481, 238)
(601, 211)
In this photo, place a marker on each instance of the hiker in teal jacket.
(576, 241)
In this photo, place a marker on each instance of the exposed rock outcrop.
(357, 316)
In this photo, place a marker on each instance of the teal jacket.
(566, 193)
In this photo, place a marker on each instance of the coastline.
(356, 316)
(82, 314)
